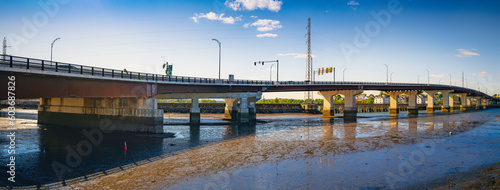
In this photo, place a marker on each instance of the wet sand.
(358, 153)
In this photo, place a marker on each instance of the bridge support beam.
(412, 103)
(446, 101)
(464, 102)
(243, 111)
(350, 110)
(479, 104)
(120, 114)
(430, 100)
(252, 111)
(328, 110)
(231, 109)
(194, 112)
(393, 103)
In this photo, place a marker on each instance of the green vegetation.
(184, 101)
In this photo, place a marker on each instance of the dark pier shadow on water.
(79, 157)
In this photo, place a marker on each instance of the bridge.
(85, 96)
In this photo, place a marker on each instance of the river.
(281, 151)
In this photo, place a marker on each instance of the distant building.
(381, 100)
(421, 99)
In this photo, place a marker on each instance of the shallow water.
(280, 152)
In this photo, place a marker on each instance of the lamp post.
(219, 54)
(387, 73)
(391, 76)
(450, 79)
(343, 75)
(428, 77)
(51, 48)
(271, 73)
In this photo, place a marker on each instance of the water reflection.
(298, 143)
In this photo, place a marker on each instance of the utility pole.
(309, 66)
(5, 46)
(4, 53)
(462, 79)
(333, 74)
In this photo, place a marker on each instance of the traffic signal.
(329, 70)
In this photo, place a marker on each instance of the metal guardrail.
(44, 65)
(60, 67)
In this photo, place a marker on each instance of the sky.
(356, 37)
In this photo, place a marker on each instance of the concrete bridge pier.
(446, 101)
(328, 109)
(350, 110)
(120, 114)
(252, 111)
(393, 103)
(430, 100)
(479, 104)
(486, 103)
(243, 111)
(412, 103)
(194, 113)
(231, 109)
(464, 102)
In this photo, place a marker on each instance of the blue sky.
(445, 37)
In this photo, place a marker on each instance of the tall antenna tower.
(4, 46)
(309, 73)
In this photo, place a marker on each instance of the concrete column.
(243, 114)
(451, 102)
(328, 109)
(231, 110)
(486, 103)
(479, 104)
(194, 114)
(107, 114)
(393, 106)
(252, 112)
(350, 111)
(464, 102)
(430, 101)
(446, 101)
(412, 103)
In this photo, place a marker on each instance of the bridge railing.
(60, 67)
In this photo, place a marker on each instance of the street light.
(428, 77)
(450, 79)
(219, 54)
(387, 73)
(271, 73)
(52, 47)
(343, 75)
(391, 76)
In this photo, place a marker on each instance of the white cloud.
(466, 53)
(269, 35)
(253, 16)
(238, 5)
(353, 3)
(481, 74)
(214, 16)
(264, 25)
(438, 76)
(296, 55)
